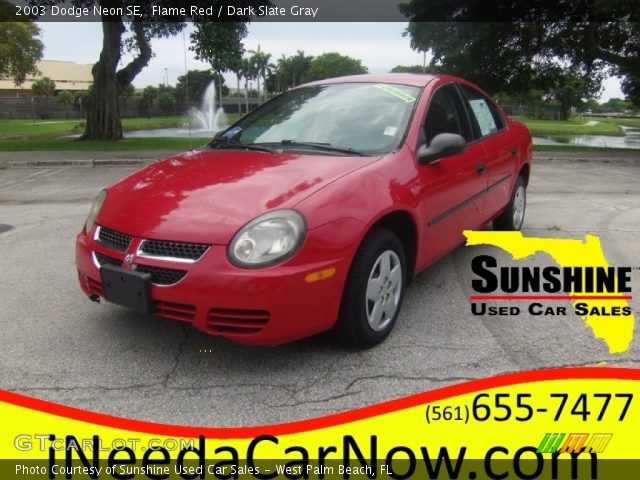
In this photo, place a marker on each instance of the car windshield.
(365, 118)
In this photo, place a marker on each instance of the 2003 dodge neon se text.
(312, 212)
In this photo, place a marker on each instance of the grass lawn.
(627, 122)
(25, 135)
(574, 126)
(126, 144)
(579, 148)
(27, 129)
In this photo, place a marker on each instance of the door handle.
(480, 167)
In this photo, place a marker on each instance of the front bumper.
(266, 306)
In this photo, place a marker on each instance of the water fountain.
(207, 117)
(206, 120)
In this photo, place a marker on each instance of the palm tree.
(300, 63)
(246, 69)
(267, 72)
(237, 69)
(260, 61)
(282, 72)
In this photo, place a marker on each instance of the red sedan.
(312, 213)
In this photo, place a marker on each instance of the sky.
(380, 47)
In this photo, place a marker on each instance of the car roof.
(414, 79)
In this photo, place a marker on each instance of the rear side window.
(484, 113)
(446, 114)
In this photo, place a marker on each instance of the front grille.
(112, 239)
(162, 276)
(231, 320)
(105, 259)
(161, 248)
(176, 311)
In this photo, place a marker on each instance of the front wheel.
(374, 291)
(513, 217)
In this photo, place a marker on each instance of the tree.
(220, 45)
(166, 101)
(43, 87)
(103, 113)
(149, 95)
(246, 68)
(260, 64)
(300, 64)
(333, 64)
(64, 97)
(197, 82)
(591, 106)
(408, 69)
(128, 91)
(80, 99)
(481, 52)
(289, 71)
(19, 48)
(132, 33)
(279, 78)
(615, 105)
(416, 69)
(510, 46)
(236, 68)
(277, 81)
(572, 90)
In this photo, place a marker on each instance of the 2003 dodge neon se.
(311, 213)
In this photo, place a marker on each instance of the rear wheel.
(513, 217)
(374, 291)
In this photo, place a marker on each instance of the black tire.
(508, 220)
(379, 248)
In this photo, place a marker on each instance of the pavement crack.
(407, 377)
(427, 346)
(178, 356)
(311, 402)
(324, 377)
(605, 362)
(228, 386)
(83, 387)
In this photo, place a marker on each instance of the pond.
(631, 139)
(171, 132)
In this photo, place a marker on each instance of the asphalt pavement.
(57, 345)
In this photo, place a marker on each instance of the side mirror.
(230, 134)
(442, 145)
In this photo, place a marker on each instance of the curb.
(542, 157)
(603, 159)
(88, 163)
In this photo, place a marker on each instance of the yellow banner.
(558, 423)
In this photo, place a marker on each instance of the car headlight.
(268, 239)
(95, 209)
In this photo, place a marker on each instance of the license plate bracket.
(127, 288)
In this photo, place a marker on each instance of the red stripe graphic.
(517, 378)
(550, 297)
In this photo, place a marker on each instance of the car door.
(451, 188)
(501, 148)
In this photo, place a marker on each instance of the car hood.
(206, 196)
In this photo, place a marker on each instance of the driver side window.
(446, 115)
